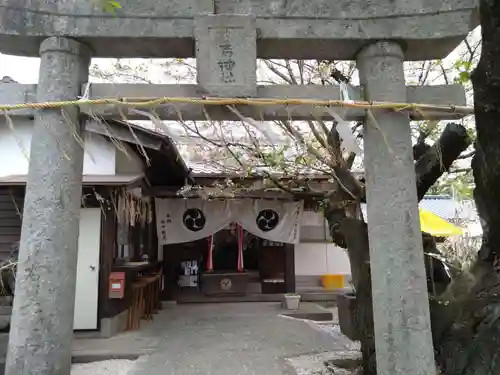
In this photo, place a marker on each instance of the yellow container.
(331, 282)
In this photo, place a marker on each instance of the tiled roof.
(204, 168)
(87, 179)
(199, 169)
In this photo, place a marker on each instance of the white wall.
(315, 259)
(99, 157)
(315, 254)
(14, 147)
(314, 227)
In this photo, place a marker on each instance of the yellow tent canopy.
(436, 226)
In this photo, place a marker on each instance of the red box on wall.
(116, 285)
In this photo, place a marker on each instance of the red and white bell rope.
(210, 260)
(239, 230)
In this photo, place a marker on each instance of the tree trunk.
(356, 235)
(438, 158)
(471, 344)
(486, 162)
(432, 161)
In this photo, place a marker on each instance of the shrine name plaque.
(226, 55)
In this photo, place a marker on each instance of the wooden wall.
(106, 307)
(290, 283)
(11, 208)
(109, 255)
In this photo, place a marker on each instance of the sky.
(21, 69)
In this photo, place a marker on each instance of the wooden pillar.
(290, 268)
(107, 253)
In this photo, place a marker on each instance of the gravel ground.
(321, 363)
(325, 363)
(333, 329)
(235, 339)
(111, 367)
(232, 339)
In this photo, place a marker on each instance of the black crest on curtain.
(194, 219)
(267, 220)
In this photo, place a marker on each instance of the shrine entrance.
(227, 37)
(246, 259)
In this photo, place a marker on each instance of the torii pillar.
(41, 330)
(400, 301)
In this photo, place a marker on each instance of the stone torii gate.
(226, 37)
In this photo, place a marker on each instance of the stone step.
(310, 311)
(4, 343)
(5, 322)
(256, 297)
(324, 296)
(306, 281)
(254, 288)
(5, 310)
(310, 289)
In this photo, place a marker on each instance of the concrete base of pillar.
(113, 326)
(346, 305)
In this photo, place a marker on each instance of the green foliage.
(463, 68)
(110, 6)
(464, 186)
(461, 185)
(471, 131)
(275, 158)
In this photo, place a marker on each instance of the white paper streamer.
(344, 92)
(268, 133)
(155, 120)
(86, 96)
(348, 140)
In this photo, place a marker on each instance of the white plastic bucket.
(292, 302)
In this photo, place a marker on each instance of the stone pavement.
(232, 339)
